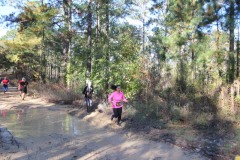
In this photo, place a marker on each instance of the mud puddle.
(41, 122)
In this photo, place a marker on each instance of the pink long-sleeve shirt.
(116, 97)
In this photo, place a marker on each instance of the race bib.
(118, 103)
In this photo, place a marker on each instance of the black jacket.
(88, 91)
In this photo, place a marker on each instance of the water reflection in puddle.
(40, 122)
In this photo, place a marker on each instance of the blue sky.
(5, 10)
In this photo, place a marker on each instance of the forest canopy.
(147, 46)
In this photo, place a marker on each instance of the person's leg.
(87, 101)
(90, 102)
(20, 92)
(114, 113)
(4, 88)
(119, 114)
(24, 93)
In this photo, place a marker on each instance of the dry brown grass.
(57, 93)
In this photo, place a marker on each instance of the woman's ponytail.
(113, 87)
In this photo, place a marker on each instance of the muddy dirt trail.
(45, 131)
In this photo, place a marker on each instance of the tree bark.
(43, 58)
(193, 66)
(238, 52)
(143, 34)
(98, 27)
(89, 40)
(107, 47)
(231, 43)
(67, 7)
(218, 49)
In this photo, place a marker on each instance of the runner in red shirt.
(5, 83)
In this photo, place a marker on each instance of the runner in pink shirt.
(116, 99)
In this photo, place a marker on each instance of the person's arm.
(27, 87)
(18, 85)
(110, 98)
(92, 91)
(84, 90)
(124, 98)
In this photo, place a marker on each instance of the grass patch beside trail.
(193, 122)
(57, 93)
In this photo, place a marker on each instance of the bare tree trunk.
(69, 41)
(58, 73)
(238, 52)
(89, 40)
(232, 99)
(51, 71)
(98, 27)
(143, 34)
(67, 7)
(231, 44)
(43, 58)
(107, 48)
(193, 66)
(222, 97)
(218, 50)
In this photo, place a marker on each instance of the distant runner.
(5, 83)
(116, 99)
(23, 87)
(88, 91)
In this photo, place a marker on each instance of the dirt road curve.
(89, 143)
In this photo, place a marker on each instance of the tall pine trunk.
(107, 48)
(231, 62)
(89, 40)
(143, 34)
(98, 27)
(218, 50)
(67, 7)
(43, 57)
(193, 66)
(238, 52)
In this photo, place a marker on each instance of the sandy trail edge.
(102, 144)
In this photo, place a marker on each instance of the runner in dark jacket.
(88, 91)
(23, 87)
